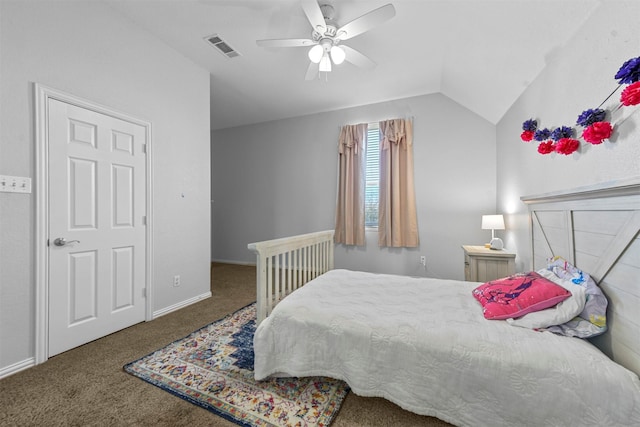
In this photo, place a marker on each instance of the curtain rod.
(377, 121)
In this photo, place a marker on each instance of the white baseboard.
(31, 362)
(180, 305)
(17, 367)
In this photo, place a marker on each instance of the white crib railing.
(283, 265)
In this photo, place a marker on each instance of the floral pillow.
(517, 295)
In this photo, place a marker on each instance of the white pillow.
(558, 314)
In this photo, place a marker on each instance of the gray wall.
(88, 50)
(577, 77)
(278, 179)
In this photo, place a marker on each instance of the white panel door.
(97, 232)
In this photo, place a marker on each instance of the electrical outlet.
(176, 281)
(423, 260)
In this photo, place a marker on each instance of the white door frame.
(42, 94)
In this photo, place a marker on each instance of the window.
(372, 176)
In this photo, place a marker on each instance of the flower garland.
(593, 121)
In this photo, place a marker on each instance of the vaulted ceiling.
(481, 53)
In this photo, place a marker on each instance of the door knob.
(60, 241)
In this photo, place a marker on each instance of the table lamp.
(494, 222)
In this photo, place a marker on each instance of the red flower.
(631, 94)
(527, 135)
(546, 147)
(597, 132)
(567, 146)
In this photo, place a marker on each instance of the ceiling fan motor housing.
(328, 12)
(331, 28)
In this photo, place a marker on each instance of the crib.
(283, 265)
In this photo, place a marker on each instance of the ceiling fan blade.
(314, 15)
(356, 58)
(366, 22)
(285, 42)
(312, 71)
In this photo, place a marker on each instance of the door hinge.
(144, 292)
(144, 148)
(144, 220)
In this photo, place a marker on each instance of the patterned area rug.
(213, 368)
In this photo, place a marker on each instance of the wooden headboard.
(597, 229)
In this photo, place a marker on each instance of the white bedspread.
(424, 345)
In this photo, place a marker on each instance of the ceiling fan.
(326, 37)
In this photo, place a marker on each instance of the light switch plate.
(15, 184)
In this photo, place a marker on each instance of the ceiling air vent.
(221, 46)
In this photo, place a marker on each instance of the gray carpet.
(86, 386)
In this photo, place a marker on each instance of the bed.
(425, 345)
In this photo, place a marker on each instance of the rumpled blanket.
(592, 320)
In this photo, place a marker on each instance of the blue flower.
(542, 134)
(590, 116)
(629, 72)
(562, 132)
(530, 125)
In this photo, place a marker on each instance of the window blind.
(372, 176)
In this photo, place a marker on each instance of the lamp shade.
(315, 53)
(492, 222)
(337, 55)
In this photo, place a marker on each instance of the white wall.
(578, 76)
(279, 178)
(88, 50)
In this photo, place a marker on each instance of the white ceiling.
(480, 53)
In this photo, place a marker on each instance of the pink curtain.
(398, 222)
(351, 184)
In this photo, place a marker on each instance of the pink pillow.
(517, 295)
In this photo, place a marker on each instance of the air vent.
(221, 46)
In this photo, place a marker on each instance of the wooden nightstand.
(482, 264)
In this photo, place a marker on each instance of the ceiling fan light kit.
(337, 55)
(316, 53)
(326, 37)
